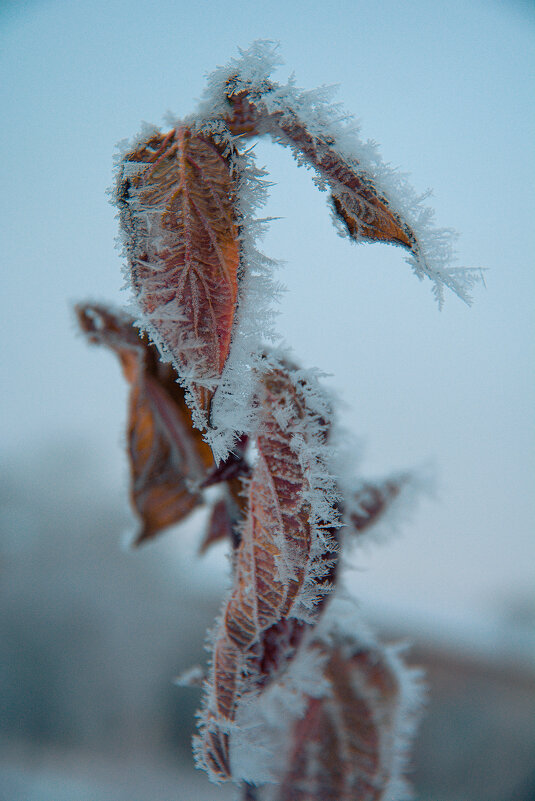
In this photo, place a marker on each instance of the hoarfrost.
(323, 138)
(248, 717)
(332, 128)
(261, 744)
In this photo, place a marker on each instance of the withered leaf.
(261, 625)
(274, 555)
(177, 211)
(220, 525)
(372, 500)
(342, 748)
(168, 457)
(213, 754)
(211, 746)
(365, 212)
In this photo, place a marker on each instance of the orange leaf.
(168, 457)
(177, 213)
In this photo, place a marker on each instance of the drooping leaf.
(176, 196)
(168, 457)
(370, 200)
(356, 200)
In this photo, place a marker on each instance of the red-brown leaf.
(168, 457)
(342, 746)
(179, 219)
(223, 692)
(372, 500)
(260, 630)
(220, 525)
(365, 212)
(274, 552)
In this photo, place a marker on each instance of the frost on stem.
(286, 558)
(301, 703)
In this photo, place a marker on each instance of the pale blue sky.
(447, 91)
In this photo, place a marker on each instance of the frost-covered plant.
(300, 703)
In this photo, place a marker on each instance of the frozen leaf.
(349, 744)
(336, 749)
(370, 200)
(168, 457)
(356, 200)
(287, 553)
(175, 192)
(278, 540)
(335, 724)
(211, 747)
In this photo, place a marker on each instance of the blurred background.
(92, 633)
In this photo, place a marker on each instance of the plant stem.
(250, 792)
